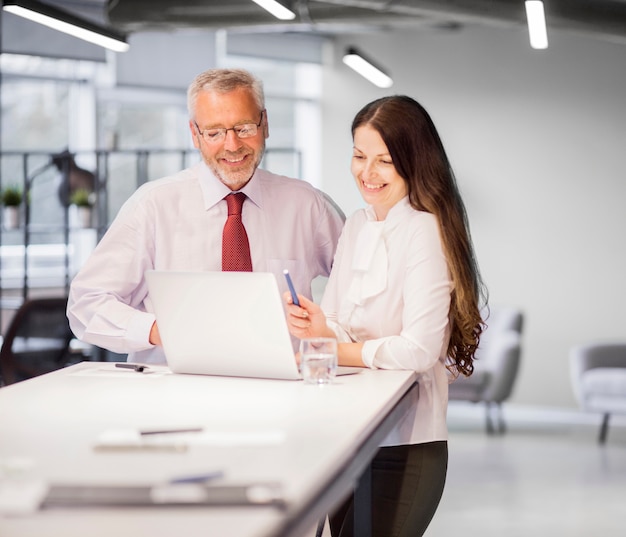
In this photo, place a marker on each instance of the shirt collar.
(215, 191)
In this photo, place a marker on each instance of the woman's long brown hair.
(420, 159)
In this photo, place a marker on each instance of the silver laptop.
(223, 323)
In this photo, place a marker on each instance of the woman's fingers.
(298, 317)
(292, 309)
(298, 312)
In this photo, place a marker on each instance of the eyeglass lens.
(247, 130)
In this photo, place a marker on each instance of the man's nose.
(232, 142)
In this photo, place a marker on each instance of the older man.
(177, 222)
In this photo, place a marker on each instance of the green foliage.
(81, 197)
(11, 196)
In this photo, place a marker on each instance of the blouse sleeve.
(426, 291)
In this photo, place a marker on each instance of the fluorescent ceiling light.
(355, 60)
(536, 24)
(63, 21)
(277, 9)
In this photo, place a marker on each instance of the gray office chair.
(598, 375)
(37, 340)
(496, 366)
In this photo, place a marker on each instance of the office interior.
(536, 139)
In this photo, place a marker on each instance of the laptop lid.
(222, 323)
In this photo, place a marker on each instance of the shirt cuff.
(138, 332)
(369, 350)
(368, 353)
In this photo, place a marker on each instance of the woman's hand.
(307, 319)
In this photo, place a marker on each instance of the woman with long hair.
(404, 293)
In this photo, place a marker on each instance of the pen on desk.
(197, 478)
(292, 290)
(140, 368)
(172, 431)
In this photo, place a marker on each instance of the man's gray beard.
(236, 180)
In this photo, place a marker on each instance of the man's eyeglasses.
(247, 130)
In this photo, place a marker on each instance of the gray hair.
(224, 81)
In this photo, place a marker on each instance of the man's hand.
(155, 336)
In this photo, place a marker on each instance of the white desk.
(315, 441)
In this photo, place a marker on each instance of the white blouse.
(390, 289)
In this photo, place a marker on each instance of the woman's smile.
(373, 187)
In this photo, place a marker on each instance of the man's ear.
(266, 125)
(194, 134)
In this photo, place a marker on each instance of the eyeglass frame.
(223, 131)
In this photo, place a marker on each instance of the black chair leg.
(489, 422)
(495, 418)
(501, 423)
(604, 429)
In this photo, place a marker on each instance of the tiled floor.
(547, 476)
(544, 477)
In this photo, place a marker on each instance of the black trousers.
(407, 485)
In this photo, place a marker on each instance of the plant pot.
(84, 216)
(11, 217)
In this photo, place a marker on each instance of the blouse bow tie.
(369, 263)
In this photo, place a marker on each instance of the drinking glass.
(318, 360)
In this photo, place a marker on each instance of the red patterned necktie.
(235, 245)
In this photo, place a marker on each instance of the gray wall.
(537, 140)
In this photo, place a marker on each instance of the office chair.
(598, 375)
(37, 340)
(496, 367)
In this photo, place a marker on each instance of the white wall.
(166, 60)
(537, 140)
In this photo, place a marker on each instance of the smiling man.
(177, 222)
(232, 154)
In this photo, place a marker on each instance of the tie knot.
(235, 202)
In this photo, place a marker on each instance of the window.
(292, 97)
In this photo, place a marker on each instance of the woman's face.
(376, 177)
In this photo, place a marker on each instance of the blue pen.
(294, 296)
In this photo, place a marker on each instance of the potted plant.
(11, 196)
(83, 199)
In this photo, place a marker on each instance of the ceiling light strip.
(277, 9)
(537, 30)
(65, 22)
(367, 69)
